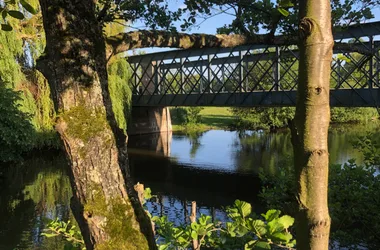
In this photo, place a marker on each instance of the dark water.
(212, 168)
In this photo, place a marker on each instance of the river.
(212, 168)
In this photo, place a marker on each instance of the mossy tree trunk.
(311, 122)
(104, 202)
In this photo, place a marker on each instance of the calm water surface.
(213, 168)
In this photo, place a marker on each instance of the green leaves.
(6, 11)
(16, 14)
(6, 27)
(245, 231)
(28, 7)
(68, 231)
(283, 12)
(241, 209)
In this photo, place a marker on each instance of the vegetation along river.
(213, 168)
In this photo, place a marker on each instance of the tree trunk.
(104, 202)
(311, 122)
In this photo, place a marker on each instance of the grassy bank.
(197, 119)
(209, 118)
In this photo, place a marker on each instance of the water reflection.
(213, 168)
(32, 192)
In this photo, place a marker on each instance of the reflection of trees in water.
(255, 150)
(342, 137)
(31, 192)
(195, 142)
(271, 151)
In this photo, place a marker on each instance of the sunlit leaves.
(68, 231)
(283, 12)
(10, 10)
(28, 7)
(245, 231)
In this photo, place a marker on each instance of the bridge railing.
(256, 75)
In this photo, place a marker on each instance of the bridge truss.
(257, 75)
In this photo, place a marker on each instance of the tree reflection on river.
(213, 168)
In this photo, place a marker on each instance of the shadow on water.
(31, 193)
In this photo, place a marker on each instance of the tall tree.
(104, 204)
(311, 122)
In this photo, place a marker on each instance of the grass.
(211, 118)
(217, 117)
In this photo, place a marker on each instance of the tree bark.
(147, 38)
(311, 122)
(104, 203)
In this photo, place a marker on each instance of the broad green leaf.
(271, 215)
(195, 226)
(250, 245)
(286, 221)
(194, 235)
(244, 208)
(275, 226)
(202, 231)
(261, 245)
(28, 7)
(257, 226)
(6, 27)
(147, 193)
(283, 12)
(16, 14)
(286, 237)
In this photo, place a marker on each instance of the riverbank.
(198, 119)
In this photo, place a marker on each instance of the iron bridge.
(256, 75)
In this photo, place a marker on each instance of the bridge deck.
(256, 75)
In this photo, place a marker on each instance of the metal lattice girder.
(256, 75)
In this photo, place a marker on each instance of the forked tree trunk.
(311, 122)
(104, 202)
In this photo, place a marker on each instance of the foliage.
(266, 118)
(244, 231)
(274, 118)
(31, 94)
(354, 206)
(186, 115)
(370, 148)
(69, 232)
(353, 115)
(354, 193)
(16, 130)
(119, 74)
(11, 9)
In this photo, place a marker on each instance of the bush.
(264, 118)
(186, 115)
(354, 198)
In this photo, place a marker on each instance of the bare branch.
(142, 39)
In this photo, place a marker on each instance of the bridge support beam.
(146, 120)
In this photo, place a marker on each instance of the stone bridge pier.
(146, 120)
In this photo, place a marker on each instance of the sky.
(209, 26)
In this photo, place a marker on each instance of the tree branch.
(144, 38)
